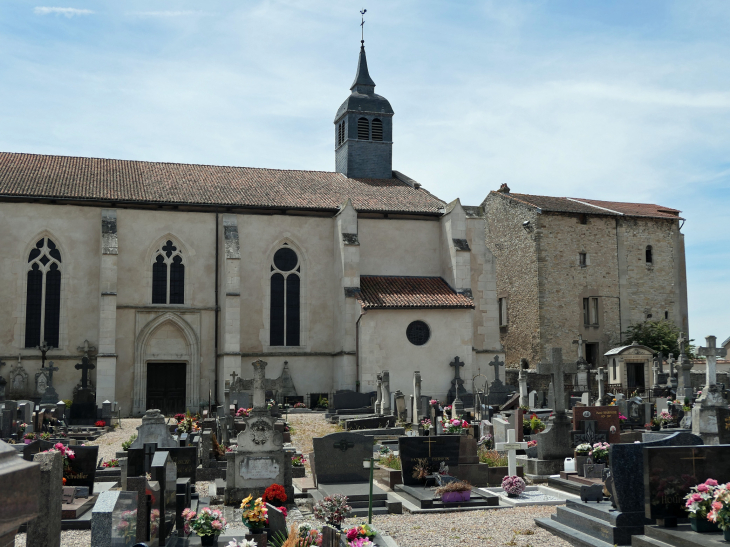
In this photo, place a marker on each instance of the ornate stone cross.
(86, 348)
(456, 364)
(496, 363)
(84, 366)
(233, 375)
(711, 352)
(581, 343)
(259, 388)
(457, 407)
(681, 341)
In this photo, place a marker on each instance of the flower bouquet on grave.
(111, 463)
(275, 495)
(665, 418)
(29, 437)
(699, 503)
(486, 442)
(154, 522)
(242, 543)
(22, 428)
(536, 424)
(655, 424)
(457, 426)
(66, 453)
(420, 469)
(513, 485)
(720, 513)
(583, 449)
(243, 412)
(208, 524)
(453, 492)
(254, 515)
(447, 413)
(100, 423)
(332, 509)
(45, 436)
(127, 526)
(300, 405)
(361, 536)
(600, 452)
(298, 461)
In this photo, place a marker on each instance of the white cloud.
(68, 12)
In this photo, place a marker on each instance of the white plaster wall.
(260, 236)
(399, 247)
(77, 233)
(384, 346)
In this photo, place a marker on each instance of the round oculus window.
(285, 259)
(418, 333)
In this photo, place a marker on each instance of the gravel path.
(305, 428)
(110, 443)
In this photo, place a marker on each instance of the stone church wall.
(384, 242)
(516, 276)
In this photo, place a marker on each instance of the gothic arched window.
(363, 129)
(43, 297)
(168, 275)
(285, 290)
(377, 130)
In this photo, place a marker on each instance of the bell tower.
(364, 129)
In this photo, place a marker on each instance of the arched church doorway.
(166, 387)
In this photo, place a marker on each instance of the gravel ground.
(69, 538)
(306, 427)
(110, 443)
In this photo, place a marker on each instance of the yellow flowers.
(245, 502)
(254, 515)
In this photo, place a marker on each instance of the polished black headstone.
(184, 457)
(627, 466)
(374, 422)
(35, 447)
(352, 399)
(435, 449)
(670, 472)
(164, 472)
(340, 457)
(82, 468)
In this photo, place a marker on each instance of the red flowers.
(100, 423)
(275, 495)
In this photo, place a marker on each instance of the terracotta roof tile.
(380, 292)
(593, 206)
(65, 177)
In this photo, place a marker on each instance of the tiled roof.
(593, 206)
(64, 177)
(379, 292)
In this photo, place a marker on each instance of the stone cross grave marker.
(511, 447)
(457, 406)
(600, 375)
(496, 363)
(379, 394)
(711, 352)
(50, 395)
(385, 387)
(655, 368)
(416, 410)
(84, 366)
(259, 388)
(557, 369)
(524, 396)
(343, 445)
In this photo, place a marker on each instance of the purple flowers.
(513, 485)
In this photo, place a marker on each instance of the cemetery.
(581, 466)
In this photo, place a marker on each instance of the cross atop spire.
(363, 11)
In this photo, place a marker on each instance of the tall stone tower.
(364, 130)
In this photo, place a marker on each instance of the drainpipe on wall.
(357, 354)
(217, 308)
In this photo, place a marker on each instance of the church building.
(179, 276)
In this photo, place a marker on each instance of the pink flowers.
(711, 482)
(217, 525)
(702, 488)
(456, 422)
(513, 485)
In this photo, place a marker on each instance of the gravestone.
(83, 405)
(636, 411)
(498, 392)
(164, 472)
(82, 469)
(554, 442)
(435, 450)
(500, 427)
(511, 447)
(185, 459)
(45, 529)
(417, 410)
(154, 430)
(683, 367)
(340, 456)
(346, 399)
(628, 469)
(49, 395)
(457, 396)
(277, 521)
(670, 471)
(593, 470)
(710, 412)
(379, 393)
(605, 418)
(140, 486)
(19, 494)
(259, 459)
(113, 519)
(385, 389)
(35, 447)
(400, 406)
(532, 399)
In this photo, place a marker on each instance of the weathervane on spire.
(362, 26)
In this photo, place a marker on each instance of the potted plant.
(536, 424)
(208, 524)
(581, 453)
(332, 510)
(391, 464)
(275, 495)
(361, 536)
(29, 437)
(531, 451)
(254, 515)
(457, 426)
(454, 492)
(513, 485)
(426, 425)
(665, 418)
(297, 465)
(114, 462)
(655, 424)
(720, 513)
(600, 452)
(699, 504)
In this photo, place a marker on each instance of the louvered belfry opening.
(377, 130)
(363, 129)
(340, 133)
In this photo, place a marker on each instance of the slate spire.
(362, 78)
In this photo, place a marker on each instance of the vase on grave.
(703, 526)
(726, 534)
(209, 540)
(455, 497)
(656, 427)
(580, 461)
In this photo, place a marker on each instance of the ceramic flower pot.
(703, 526)
(656, 428)
(580, 461)
(454, 497)
(209, 540)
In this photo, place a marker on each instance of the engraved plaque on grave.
(259, 468)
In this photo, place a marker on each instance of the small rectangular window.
(586, 311)
(590, 311)
(582, 260)
(502, 302)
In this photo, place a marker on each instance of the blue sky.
(622, 100)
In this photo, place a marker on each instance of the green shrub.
(390, 460)
(492, 458)
(127, 444)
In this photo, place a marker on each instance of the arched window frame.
(174, 258)
(265, 333)
(45, 256)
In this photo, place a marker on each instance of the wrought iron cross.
(43, 348)
(233, 375)
(362, 25)
(456, 364)
(84, 366)
(51, 369)
(343, 445)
